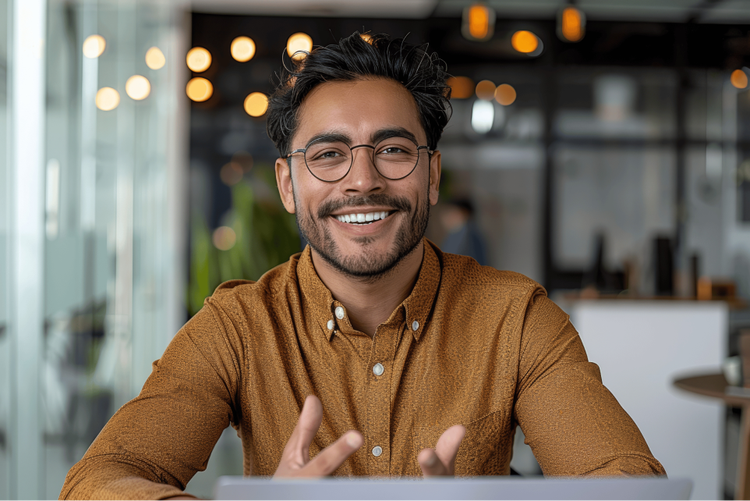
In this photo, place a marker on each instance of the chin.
(367, 264)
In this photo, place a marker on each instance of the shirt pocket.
(485, 450)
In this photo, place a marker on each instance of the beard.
(366, 265)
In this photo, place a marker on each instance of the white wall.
(641, 347)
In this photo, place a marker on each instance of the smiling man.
(371, 352)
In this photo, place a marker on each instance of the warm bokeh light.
(485, 90)
(231, 173)
(505, 94)
(244, 160)
(739, 79)
(242, 49)
(107, 99)
(461, 87)
(155, 58)
(224, 238)
(299, 45)
(138, 87)
(199, 89)
(366, 37)
(571, 24)
(198, 59)
(93, 46)
(477, 21)
(524, 41)
(256, 104)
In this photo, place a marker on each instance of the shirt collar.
(319, 302)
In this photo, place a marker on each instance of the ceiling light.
(524, 41)
(571, 24)
(299, 46)
(107, 99)
(199, 89)
(738, 79)
(93, 46)
(482, 116)
(505, 94)
(138, 87)
(256, 104)
(242, 49)
(461, 87)
(198, 59)
(155, 58)
(485, 90)
(478, 22)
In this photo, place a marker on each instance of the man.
(371, 352)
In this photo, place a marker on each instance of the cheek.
(307, 196)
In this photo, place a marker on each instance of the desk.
(715, 386)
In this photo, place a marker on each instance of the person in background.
(372, 352)
(463, 235)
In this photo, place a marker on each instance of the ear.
(435, 170)
(284, 183)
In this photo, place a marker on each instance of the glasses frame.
(351, 149)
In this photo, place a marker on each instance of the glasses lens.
(327, 160)
(396, 157)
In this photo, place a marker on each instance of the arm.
(154, 444)
(571, 421)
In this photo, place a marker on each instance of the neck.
(370, 302)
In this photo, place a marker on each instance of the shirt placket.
(380, 370)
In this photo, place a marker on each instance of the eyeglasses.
(330, 161)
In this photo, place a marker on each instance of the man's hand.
(442, 459)
(296, 462)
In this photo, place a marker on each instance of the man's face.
(359, 110)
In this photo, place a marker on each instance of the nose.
(363, 177)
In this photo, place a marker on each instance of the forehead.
(357, 109)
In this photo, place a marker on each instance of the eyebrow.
(375, 137)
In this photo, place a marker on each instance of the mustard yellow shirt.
(470, 345)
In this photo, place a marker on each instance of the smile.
(363, 218)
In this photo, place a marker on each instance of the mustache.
(330, 206)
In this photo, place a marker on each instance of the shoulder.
(241, 293)
(465, 273)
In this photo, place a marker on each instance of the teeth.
(362, 218)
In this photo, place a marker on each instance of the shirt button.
(339, 312)
(378, 369)
(377, 451)
(330, 324)
(414, 325)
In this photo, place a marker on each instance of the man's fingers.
(431, 464)
(333, 456)
(298, 447)
(448, 444)
(442, 459)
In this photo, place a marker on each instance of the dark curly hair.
(422, 74)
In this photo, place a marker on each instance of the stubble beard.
(366, 266)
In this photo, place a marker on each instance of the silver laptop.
(454, 488)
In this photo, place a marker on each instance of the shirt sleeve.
(155, 443)
(573, 424)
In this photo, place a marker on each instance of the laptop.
(230, 487)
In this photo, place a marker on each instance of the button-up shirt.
(470, 345)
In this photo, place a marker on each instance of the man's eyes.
(330, 154)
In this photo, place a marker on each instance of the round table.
(716, 386)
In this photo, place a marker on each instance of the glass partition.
(113, 251)
(5, 370)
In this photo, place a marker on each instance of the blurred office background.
(601, 147)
